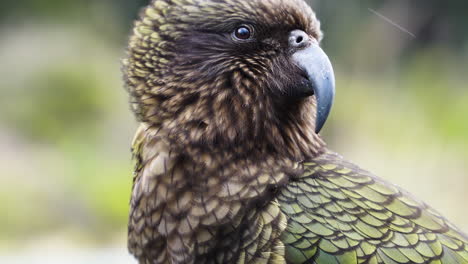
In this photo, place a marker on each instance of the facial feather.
(187, 75)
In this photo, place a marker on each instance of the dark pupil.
(243, 33)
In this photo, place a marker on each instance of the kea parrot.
(229, 165)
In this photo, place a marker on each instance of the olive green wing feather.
(136, 221)
(338, 213)
(143, 242)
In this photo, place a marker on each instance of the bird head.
(230, 72)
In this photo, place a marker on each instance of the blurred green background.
(65, 125)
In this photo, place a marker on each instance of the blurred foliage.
(66, 128)
(73, 97)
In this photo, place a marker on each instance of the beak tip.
(317, 130)
(321, 119)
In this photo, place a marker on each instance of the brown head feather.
(188, 76)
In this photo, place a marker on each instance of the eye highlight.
(243, 33)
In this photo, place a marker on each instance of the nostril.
(299, 39)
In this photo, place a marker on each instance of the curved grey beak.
(320, 74)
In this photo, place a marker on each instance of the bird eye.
(243, 33)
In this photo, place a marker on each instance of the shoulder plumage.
(137, 142)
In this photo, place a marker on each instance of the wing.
(338, 213)
(143, 242)
(136, 222)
